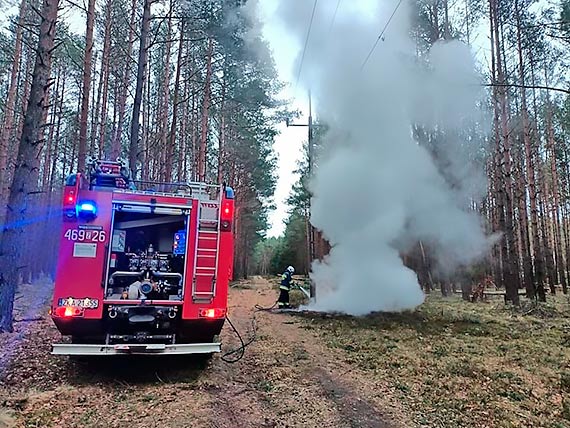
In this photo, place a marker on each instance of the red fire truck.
(143, 267)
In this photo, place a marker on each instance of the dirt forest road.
(287, 378)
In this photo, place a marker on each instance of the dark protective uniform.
(285, 287)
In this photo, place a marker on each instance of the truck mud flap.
(135, 349)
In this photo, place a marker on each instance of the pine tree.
(24, 189)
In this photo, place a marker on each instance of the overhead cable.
(334, 16)
(306, 42)
(381, 35)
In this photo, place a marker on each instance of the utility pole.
(310, 228)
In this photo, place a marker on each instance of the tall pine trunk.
(82, 148)
(124, 88)
(534, 239)
(165, 161)
(524, 230)
(24, 187)
(510, 265)
(205, 114)
(561, 271)
(547, 236)
(105, 58)
(539, 255)
(222, 139)
(10, 107)
(175, 106)
(141, 69)
(97, 89)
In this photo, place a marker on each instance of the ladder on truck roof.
(207, 250)
(195, 190)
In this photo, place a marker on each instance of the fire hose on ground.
(240, 351)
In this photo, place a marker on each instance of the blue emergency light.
(86, 209)
(229, 192)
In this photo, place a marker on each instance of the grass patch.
(300, 354)
(456, 363)
(565, 381)
(566, 408)
(265, 386)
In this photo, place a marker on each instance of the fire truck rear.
(143, 267)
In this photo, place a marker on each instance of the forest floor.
(447, 364)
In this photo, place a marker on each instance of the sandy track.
(287, 378)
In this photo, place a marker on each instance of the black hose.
(259, 308)
(241, 349)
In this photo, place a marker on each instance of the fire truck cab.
(143, 267)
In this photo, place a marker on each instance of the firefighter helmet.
(291, 269)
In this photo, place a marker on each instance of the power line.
(334, 16)
(306, 42)
(381, 35)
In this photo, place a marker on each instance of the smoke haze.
(375, 189)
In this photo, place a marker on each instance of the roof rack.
(195, 190)
(115, 176)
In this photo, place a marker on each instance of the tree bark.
(148, 161)
(141, 69)
(435, 22)
(555, 200)
(57, 147)
(447, 27)
(105, 58)
(510, 267)
(165, 164)
(524, 232)
(566, 216)
(222, 139)
(183, 151)
(124, 89)
(194, 137)
(95, 107)
(175, 105)
(25, 182)
(82, 147)
(547, 236)
(205, 114)
(9, 109)
(534, 239)
(540, 265)
(50, 141)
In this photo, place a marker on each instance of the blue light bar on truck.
(229, 193)
(86, 209)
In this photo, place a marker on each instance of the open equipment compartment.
(147, 255)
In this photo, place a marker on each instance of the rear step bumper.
(135, 349)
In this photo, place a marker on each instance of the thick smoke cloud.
(376, 189)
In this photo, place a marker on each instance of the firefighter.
(285, 287)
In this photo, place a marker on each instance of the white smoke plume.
(376, 189)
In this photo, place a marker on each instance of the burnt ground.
(288, 377)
